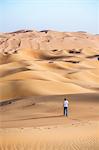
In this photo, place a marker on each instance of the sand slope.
(47, 63)
(48, 110)
(37, 70)
(38, 123)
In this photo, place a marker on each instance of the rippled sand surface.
(48, 63)
(39, 69)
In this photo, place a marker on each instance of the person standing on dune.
(66, 107)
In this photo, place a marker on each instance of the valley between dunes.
(48, 63)
(38, 69)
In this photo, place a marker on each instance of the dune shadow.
(13, 71)
(35, 118)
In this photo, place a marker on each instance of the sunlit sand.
(39, 69)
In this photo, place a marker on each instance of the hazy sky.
(62, 15)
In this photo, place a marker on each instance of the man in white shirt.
(66, 107)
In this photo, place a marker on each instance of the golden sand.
(39, 69)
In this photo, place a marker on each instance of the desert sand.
(53, 62)
(37, 70)
(38, 123)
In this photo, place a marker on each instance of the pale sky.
(61, 15)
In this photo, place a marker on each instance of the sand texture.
(48, 63)
(38, 123)
(37, 70)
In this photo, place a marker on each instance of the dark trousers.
(65, 111)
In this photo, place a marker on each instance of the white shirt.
(66, 103)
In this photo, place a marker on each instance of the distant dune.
(48, 63)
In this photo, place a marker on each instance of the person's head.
(64, 99)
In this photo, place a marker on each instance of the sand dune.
(53, 62)
(37, 70)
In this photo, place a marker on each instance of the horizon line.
(44, 30)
